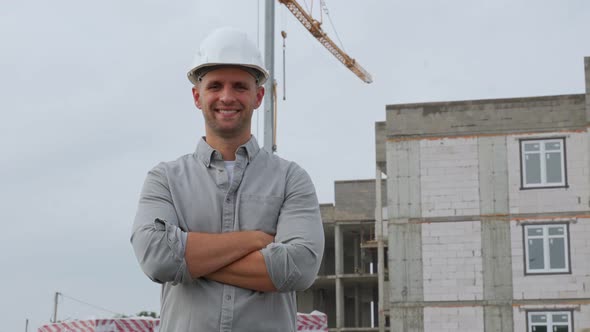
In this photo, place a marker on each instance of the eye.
(241, 87)
(214, 86)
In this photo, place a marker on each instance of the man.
(230, 231)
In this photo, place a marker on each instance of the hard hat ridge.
(228, 47)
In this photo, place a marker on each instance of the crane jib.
(314, 27)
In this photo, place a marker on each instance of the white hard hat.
(228, 47)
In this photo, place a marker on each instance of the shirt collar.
(206, 153)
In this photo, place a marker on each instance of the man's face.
(228, 96)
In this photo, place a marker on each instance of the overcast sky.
(94, 94)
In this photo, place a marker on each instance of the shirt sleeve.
(158, 242)
(293, 260)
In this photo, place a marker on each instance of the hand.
(263, 239)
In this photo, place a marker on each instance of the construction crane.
(314, 27)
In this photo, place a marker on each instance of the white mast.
(269, 62)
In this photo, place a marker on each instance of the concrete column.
(306, 301)
(319, 300)
(357, 306)
(365, 256)
(495, 233)
(405, 239)
(355, 254)
(405, 275)
(338, 261)
(587, 75)
(380, 251)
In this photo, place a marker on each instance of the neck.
(226, 146)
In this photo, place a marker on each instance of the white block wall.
(449, 177)
(453, 319)
(452, 266)
(450, 185)
(574, 198)
(572, 285)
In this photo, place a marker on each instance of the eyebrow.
(235, 83)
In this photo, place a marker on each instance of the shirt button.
(227, 200)
(228, 297)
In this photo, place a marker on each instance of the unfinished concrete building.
(486, 225)
(489, 213)
(347, 288)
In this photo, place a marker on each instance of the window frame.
(543, 185)
(547, 270)
(550, 312)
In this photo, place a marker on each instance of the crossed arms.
(232, 258)
(289, 261)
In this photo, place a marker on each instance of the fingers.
(266, 238)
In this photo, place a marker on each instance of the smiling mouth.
(227, 111)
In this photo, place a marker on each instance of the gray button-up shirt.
(193, 194)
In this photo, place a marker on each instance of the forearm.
(248, 272)
(206, 252)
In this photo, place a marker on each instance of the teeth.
(227, 111)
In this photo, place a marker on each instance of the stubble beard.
(217, 128)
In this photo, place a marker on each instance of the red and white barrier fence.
(313, 322)
(104, 325)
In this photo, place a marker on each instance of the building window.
(546, 248)
(549, 321)
(543, 163)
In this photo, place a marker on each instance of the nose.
(227, 95)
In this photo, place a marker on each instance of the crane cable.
(274, 133)
(306, 6)
(325, 8)
(284, 35)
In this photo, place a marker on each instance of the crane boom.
(314, 27)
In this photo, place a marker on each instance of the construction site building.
(487, 221)
(347, 285)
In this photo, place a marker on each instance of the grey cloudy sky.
(94, 93)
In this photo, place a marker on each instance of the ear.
(197, 97)
(259, 96)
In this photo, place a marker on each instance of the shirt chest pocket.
(258, 212)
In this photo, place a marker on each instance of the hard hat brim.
(197, 72)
